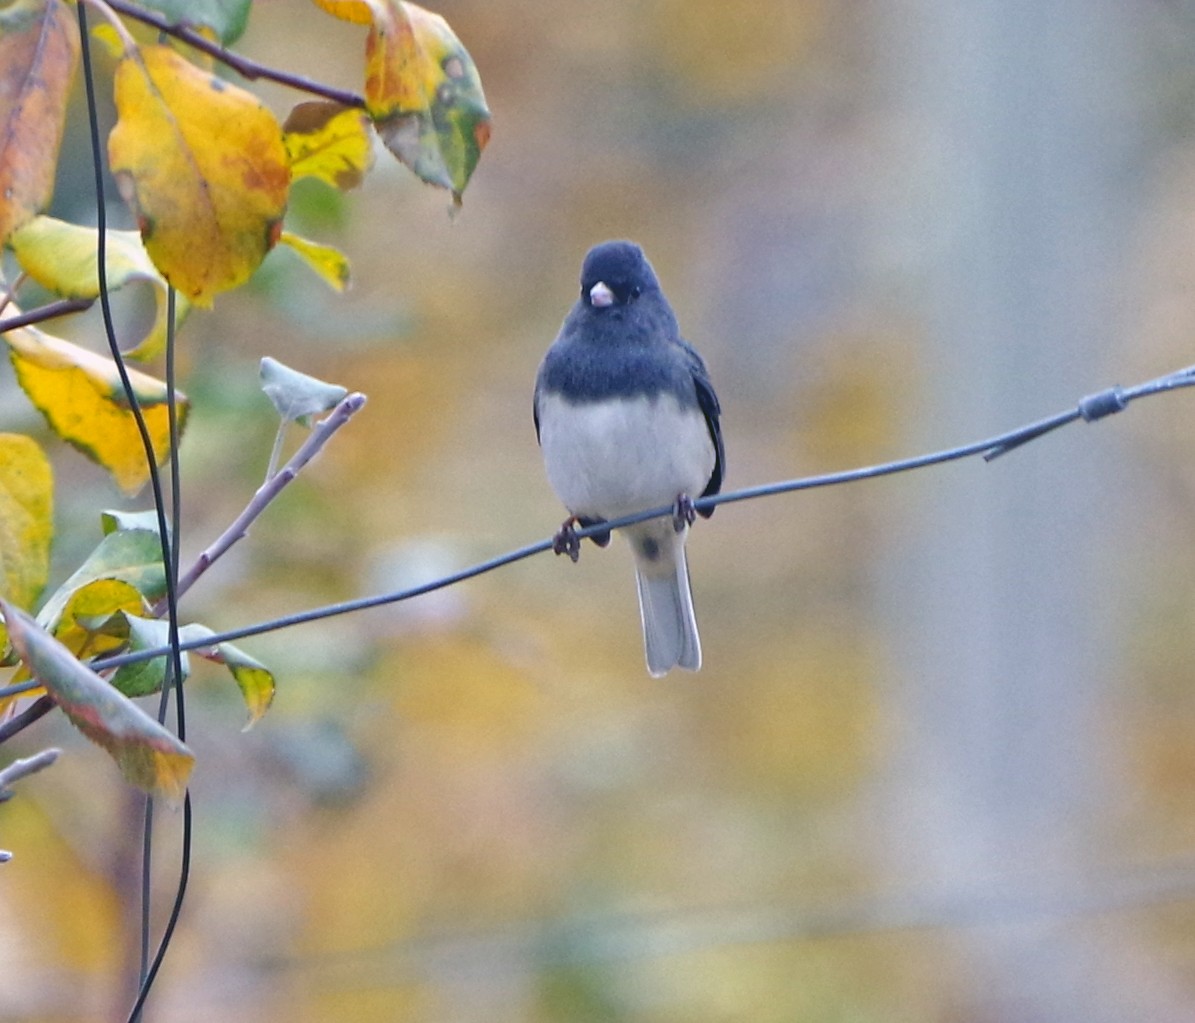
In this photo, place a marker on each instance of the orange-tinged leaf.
(202, 164)
(26, 519)
(148, 755)
(80, 394)
(423, 91)
(39, 48)
(62, 257)
(330, 142)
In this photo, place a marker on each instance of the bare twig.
(24, 767)
(271, 488)
(38, 709)
(105, 11)
(46, 312)
(245, 67)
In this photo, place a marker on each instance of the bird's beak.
(600, 295)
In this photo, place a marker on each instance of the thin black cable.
(151, 462)
(173, 679)
(175, 912)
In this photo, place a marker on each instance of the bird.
(627, 420)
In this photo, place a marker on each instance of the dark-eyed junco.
(628, 420)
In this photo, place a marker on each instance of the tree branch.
(19, 769)
(348, 407)
(245, 67)
(48, 311)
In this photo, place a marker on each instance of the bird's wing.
(707, 401)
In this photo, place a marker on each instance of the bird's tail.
(666, 602)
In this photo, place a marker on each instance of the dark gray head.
(616, 274)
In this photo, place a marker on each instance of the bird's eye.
(634, 293)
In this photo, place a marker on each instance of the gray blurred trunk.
(1004, 628)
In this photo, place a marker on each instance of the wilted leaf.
(39, 47)
(422, 90)
(148, 755)
(80, 394)
(62, 258)
(329, 142)
(225, 19)
(132, 557)
(26, 519)
(424, 93)
(330, 263)
(295, 395)
(253, 678)
(202, 164)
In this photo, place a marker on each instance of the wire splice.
(1103, 403)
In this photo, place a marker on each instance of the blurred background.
(938, 765)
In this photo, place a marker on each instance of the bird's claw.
(566, 540)
(683, 513)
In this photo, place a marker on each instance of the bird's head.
(616, 274)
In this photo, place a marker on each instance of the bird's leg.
(566, 541)
(602, 537)
(683, 513)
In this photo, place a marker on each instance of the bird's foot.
(566, 540)
(683, 513)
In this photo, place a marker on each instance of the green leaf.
(142, 678)
(113, 521)
(147, 754)
(254, 679)
(130, 556)
(225, 19)
(295, 395)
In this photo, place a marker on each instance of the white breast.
(610, 459)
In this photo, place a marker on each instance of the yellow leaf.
(148, 755)
(331, 264)
(93, 601)
(360, 12)
(38, 51)
(62, 258)
(329, 142)
(26, 520)
(202, 164)
(80, 394)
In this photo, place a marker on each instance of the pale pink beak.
(600, 295)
